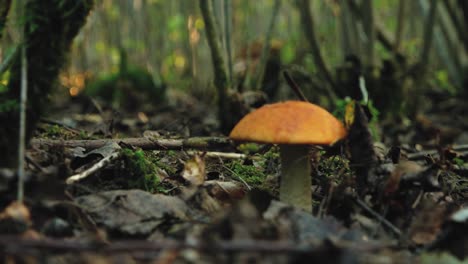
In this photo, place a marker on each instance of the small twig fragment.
(96, 167)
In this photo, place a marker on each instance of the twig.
(293, 85)
(381, 219)
(96, 167)
(223, 155)
(203, 143)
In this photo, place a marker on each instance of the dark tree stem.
(4, 8)
(309, 31)
(220, 75)
(428, 33)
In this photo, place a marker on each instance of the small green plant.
(441, 79)
(340, 112)
(458, 161)
(53, 131)
(142, 173)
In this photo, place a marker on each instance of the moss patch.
(142, 173)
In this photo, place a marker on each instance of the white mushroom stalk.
(296, 182)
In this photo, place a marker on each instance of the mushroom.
(294, 126)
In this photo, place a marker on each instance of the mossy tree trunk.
(49, 29)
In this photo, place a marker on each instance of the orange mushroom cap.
(290, 122)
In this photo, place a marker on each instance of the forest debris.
(461, 150)
(259, 246)
(376, 215)
(103, 151)
(194, 170)
(57, 227)
(453, 236)
(362, 153)
(412, 172)
(200, 198)
(203, 143)
(226, 190)
(427, 223)
(133, 212)
(15, 219)
(307, 228)
(96, 167)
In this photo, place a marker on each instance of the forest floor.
(146, 193)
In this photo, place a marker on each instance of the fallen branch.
(221, 155)
(202, 143)
(96, 167)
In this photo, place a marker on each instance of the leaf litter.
(201, 206)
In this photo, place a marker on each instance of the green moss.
(255, 171)
(251, 174)
(53, 131)
(142, 173)
(332, 169)
(170, 156)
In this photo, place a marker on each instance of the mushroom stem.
(295, 186)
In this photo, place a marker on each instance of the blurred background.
(401, 58)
